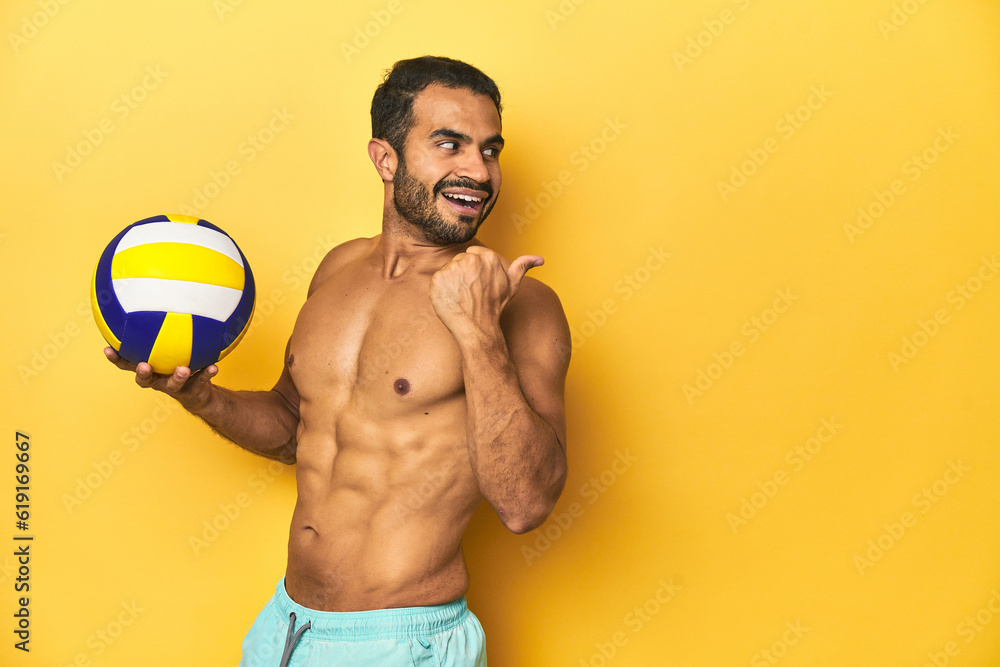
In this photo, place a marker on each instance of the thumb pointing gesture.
(519, 267)
(470, 292)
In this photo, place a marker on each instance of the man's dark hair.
(392, 105)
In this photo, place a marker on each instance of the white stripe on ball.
(176, 296)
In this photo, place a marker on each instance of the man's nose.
(473, 166)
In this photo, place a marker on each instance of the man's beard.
(419, 207)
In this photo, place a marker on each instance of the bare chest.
(373, 343)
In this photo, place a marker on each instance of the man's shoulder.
(537, 294)
(536, 329)
(534, 309)
(350, 250)
(339, 256)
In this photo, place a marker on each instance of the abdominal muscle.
(381, 509)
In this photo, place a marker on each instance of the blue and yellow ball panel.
(173, 290)
(207, 335)
(141, 330)
(237, 325)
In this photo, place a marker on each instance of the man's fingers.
(146, 378)
(206, 374)
(117, 360)
(176, 381)
(486, 254)
(144, 374)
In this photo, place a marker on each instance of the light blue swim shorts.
(286, 634)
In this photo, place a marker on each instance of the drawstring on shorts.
(292, 639)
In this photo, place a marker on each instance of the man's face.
(449, 178)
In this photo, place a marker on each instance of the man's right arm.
(262, 422)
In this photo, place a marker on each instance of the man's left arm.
(515, 354)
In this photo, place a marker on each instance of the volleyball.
(172, 290)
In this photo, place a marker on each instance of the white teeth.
(465, 197)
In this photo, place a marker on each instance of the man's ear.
(383, 156)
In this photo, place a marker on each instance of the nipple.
(402, 386)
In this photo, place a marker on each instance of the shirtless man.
(424, 374)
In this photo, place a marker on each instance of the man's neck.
(402, 249)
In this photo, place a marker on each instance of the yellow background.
(662, 133)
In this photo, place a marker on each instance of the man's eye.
(492, 152)
(450, 145)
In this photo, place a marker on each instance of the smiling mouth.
(465, 204)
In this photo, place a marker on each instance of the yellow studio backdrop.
(773, 226)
